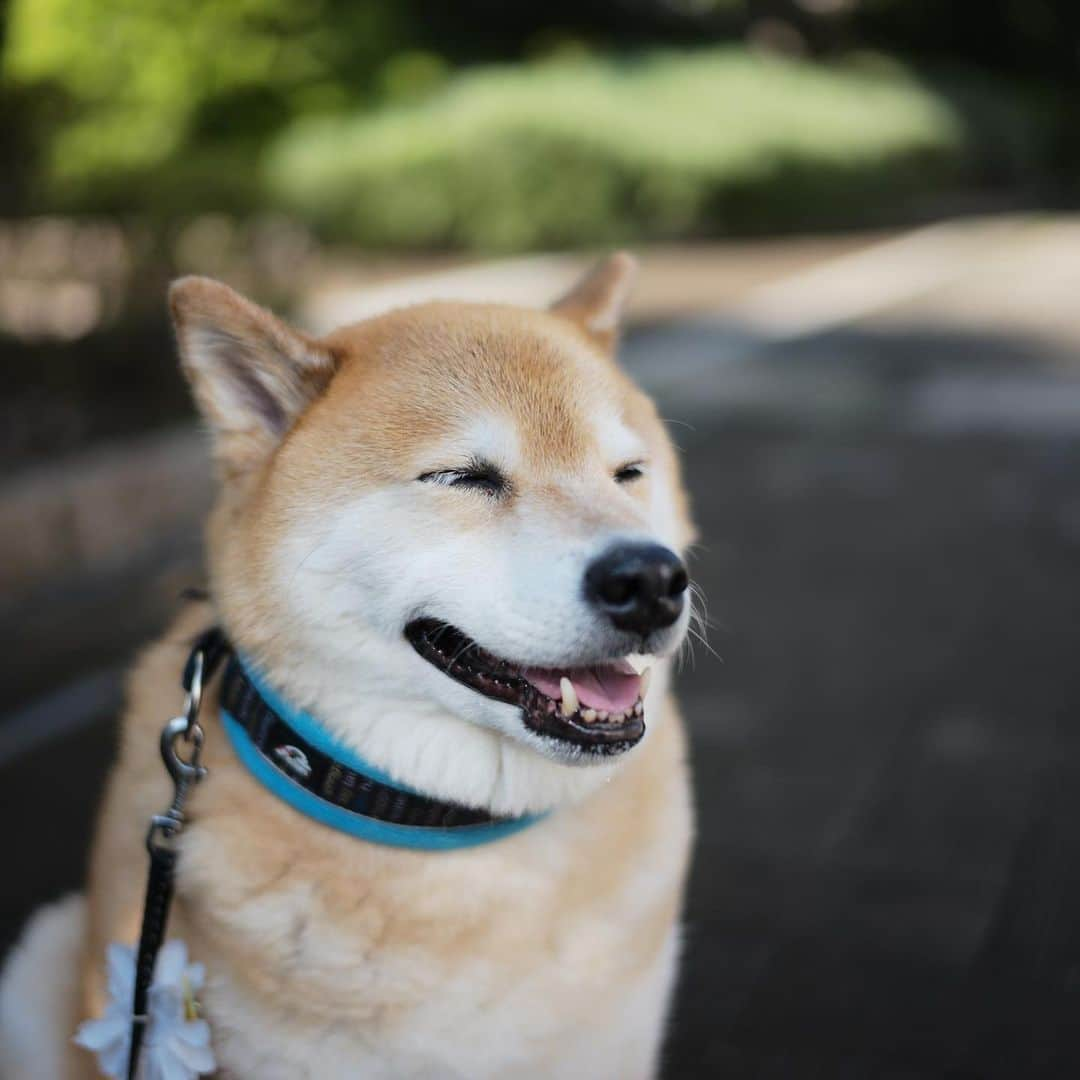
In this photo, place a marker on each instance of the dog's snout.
(639, 587)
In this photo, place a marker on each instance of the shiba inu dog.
(449, 540)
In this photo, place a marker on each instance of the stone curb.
(105, 507)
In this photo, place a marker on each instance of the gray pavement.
(887, 875)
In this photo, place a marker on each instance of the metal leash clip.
(185, 772)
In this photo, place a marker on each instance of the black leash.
(208, 652)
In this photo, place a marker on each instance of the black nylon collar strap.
(297, 761)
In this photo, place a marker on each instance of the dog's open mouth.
(598, 708)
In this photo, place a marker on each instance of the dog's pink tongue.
(613, 687)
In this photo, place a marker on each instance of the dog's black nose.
(639, 587)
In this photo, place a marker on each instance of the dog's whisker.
(303, 562)
(699, 616)
(685, 655)
(681, 423)
(469, 646)
(700, 637)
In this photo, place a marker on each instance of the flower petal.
(199, 1059)
(120, 966)
(170, 964)
(160, 1066)
(165, 1004)
(97, 1034)
(194, 1032)
(113, 1062)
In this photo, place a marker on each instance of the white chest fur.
(459, 1031)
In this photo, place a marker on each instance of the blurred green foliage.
(387, 121)
(150, 104)
(598, 150)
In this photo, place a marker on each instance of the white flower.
(173, 1046)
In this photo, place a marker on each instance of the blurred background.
(858, 310)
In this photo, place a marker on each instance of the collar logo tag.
(294, 760)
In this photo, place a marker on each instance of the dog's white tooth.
(646, 676)
(602, 716)
(569, 697)
(589, 715)
(638, 708)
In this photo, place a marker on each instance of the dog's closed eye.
(632, 470)
(479, 476)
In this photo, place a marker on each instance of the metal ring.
(163, 829)
(193, 701)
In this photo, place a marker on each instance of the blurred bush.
(599, 150)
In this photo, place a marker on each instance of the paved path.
(884, 450)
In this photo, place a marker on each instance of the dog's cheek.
(381, 560)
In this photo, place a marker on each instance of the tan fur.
(560, 941)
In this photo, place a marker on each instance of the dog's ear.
(596, 302)
(251, 375)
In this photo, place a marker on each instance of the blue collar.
(296, 758)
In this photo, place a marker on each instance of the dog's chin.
(579, 715)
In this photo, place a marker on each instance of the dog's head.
(459, 513)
